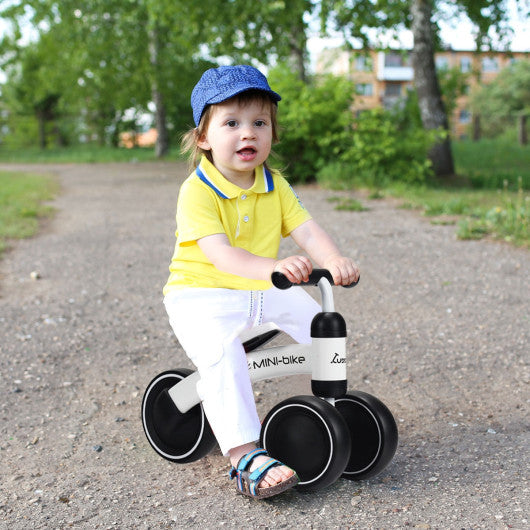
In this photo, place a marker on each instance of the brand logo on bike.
(277, 361)
(337, 359)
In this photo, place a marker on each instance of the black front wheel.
(173, 435)
(307, 434)
(373, 434)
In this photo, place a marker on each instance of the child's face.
(239, 137)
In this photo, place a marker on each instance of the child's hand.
(296, 268)
(344, 270)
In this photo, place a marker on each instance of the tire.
(373, 434)
(174, 436)
(307, 434)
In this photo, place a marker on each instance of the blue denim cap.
(219, 84)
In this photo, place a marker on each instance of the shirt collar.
(208, 173)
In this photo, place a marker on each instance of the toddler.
(232, 212)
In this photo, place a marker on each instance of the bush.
(314, 119)
(322, 138)
(384, 147)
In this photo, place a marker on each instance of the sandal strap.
(251, 478)
(246, 460)
(261, 471)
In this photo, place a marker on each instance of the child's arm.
(318, 244)
(309, 236)
(235, 260)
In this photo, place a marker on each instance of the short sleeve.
(197, 213)
(294, 212)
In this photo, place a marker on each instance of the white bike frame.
(324, 358)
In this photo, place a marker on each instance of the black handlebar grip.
(280, 281)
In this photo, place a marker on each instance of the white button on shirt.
(245, 218)
(243, 197)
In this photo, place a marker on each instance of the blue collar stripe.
(203, 177)
(269, 183)
(267, 177)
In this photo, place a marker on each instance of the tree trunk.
(432, 109)
(115, 137)
(162, 139)
(42, 130)
(476, 127)
(523, 137)
(298, 47)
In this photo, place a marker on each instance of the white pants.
(207, 323)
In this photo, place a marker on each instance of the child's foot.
(258, 474)
(275, 475)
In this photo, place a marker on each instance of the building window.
(392, 89)
(442, 63)
(464, 116)
(490, 64)
(364, 89)
(465, 64)
(362, 63)
(393, 59)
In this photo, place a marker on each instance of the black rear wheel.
(373, 434)
(173, 435)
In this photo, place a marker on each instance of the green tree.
(248, 31)
(34, 92)
(505, 98)
(117, 55)
(124, 54)
(356, 17)
(453, 84)
(87, 53)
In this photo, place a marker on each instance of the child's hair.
(190, 138)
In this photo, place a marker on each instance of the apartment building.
(382, 77)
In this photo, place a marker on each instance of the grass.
(445, 201)
(89, 153)
(22, 198)
(499, 214)
(348, 204)
(489, 163)
(509, 221)
(490, 198)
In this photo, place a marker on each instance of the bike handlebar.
(280, 281)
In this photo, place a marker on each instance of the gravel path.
(438, 329)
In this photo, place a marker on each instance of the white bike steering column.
(328, 332)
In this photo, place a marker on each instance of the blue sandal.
(247, 481)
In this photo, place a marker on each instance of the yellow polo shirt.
(255, 220)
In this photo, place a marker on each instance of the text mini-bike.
(331, 434)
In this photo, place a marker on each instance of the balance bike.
(333, 433)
